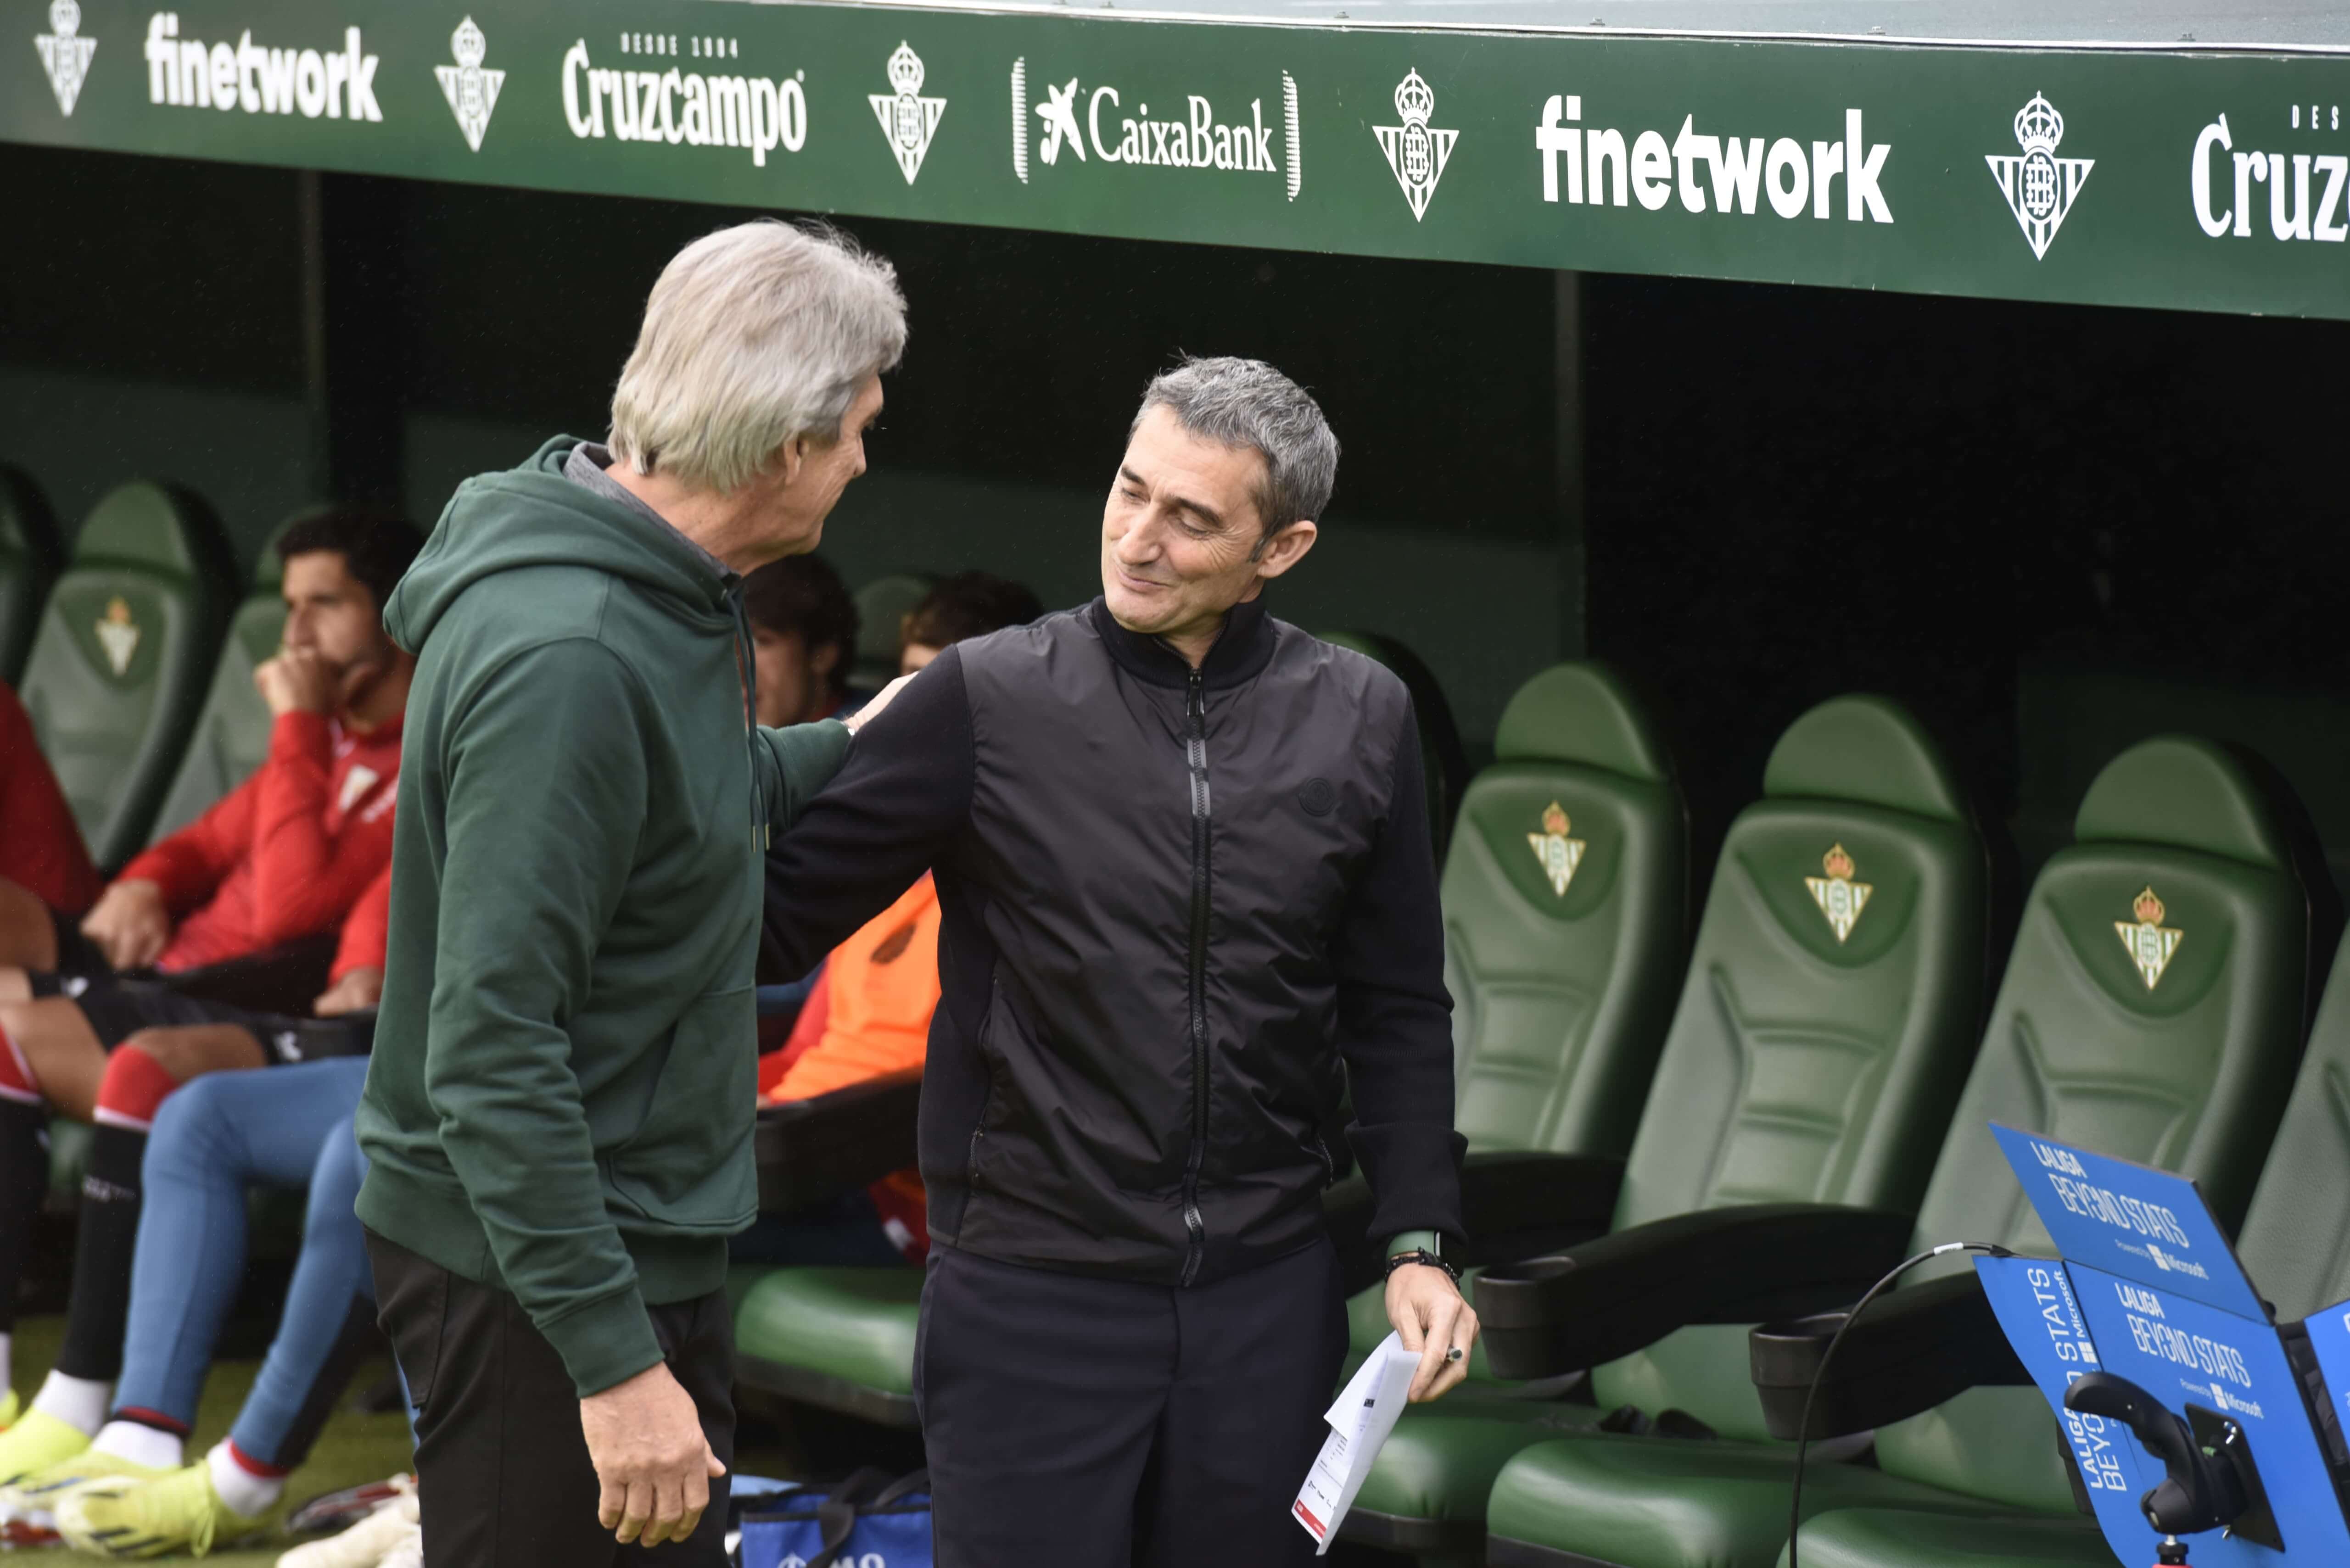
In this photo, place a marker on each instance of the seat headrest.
(1868, 749)
(2190, 793)
(152, 525)
(27, 528)
(1581, 713)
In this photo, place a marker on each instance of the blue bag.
(866, 1521)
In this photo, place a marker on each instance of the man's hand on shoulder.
(652, 1460)
(872, 711)
(1427, 1312)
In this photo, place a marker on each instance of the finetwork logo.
(1734, 171)
(1197, 139)
(1416, 150)
(65, 55)
(2039, 186)
(472, 90)
(908, 119)
(187, 73)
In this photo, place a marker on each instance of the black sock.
(99, 1307)
(24, 1183)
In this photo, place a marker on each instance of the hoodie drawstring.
(746, 660)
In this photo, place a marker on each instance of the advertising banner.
(2210, 182)
(2149, 1290)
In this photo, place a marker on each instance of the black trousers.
(499, 1449)
(1082, 1423)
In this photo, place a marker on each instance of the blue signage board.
(2329, 1336)
(2150, 1289)
(2032, 1299)
(2148, 1226)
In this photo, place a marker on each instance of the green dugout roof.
(2171, 155)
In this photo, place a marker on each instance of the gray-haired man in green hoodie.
(558, 1113)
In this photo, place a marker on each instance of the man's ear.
(790, 457)
(1286, 549)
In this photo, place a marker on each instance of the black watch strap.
(1421, 1255)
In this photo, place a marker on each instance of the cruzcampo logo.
(65, 55)
(471, 89)
(2039, 186)
(1416, 150)
(2149, 941)
(1557, 854)
(1840, 898)
(908, 119)
(117, 634)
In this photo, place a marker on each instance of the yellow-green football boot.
(166, 1514)
(10, 1408)
(34, 1442)
(29, 1503)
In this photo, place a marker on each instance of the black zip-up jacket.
(1172, 901)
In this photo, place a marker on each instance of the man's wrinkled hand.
(130, 924)
(872, 711)
(1428, 1315)
(652, 1462)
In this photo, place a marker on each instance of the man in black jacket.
(1183, 862)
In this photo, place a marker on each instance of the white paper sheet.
(1360, 1419)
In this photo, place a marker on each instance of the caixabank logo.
(1077, 124)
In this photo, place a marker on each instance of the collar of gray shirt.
(585, 467)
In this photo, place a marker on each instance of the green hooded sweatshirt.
(565, 1063)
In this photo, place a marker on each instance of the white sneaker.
(372, 1542)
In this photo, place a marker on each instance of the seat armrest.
(817, 1148)
(1914, 1348)
(1746, 1263)
(1514, 1204)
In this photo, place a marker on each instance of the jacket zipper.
(1195, 750)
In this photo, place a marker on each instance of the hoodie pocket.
(688, 1165)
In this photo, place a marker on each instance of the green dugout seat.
(2152, 1010)
(1443, 760)
(1566, 901)
(839, 1337)
(28, 565)
(881, 608)
(1824, 1027)
(121, 656)
(231, 738)
(2292, 1245)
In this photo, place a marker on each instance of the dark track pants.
(1083, 1423)
(499, 1449)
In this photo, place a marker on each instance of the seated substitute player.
(221, 1134)
(286, 855)
(803, 636)
(869, 1014)
(41, 849)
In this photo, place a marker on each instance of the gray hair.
(1248, 403)
(753, 336)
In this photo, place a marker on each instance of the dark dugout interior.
(2053, 530)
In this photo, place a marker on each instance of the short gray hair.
(1248, 403)
(753, 334)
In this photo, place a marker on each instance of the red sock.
(134, 1088)
(16, 1074)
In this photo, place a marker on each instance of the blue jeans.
(278, 1127)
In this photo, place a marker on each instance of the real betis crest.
(1415, 151)
(1840, 898)
(2149, 941)
(1559, 853)
(118, 635)
(907, 119)
(470, 88)
(65, 54)
(2039, 186)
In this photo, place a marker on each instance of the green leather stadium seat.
(2164, 1034)
(1823, 1030)
(118, 665)
(1443, 759)
(231, 738)
(839, 1337)
(881, 607)
(2292, 1245)
(28, 565)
